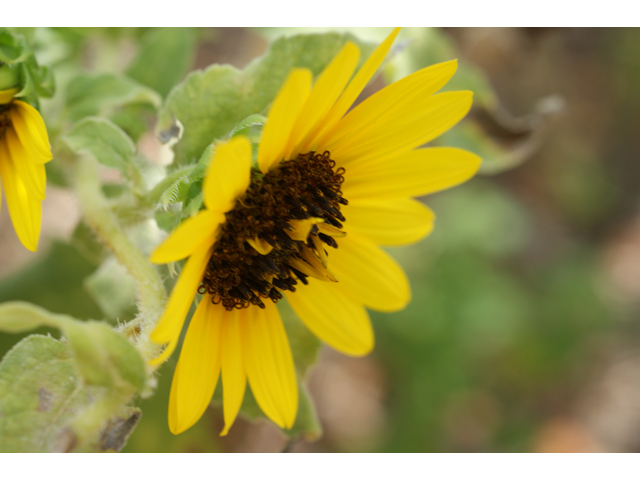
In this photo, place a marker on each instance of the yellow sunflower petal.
(198, 369)
(352, 91)
(333, 317)
(36, 127)
(276, 134)
(369, 275)
(234, 378)
(25, 211)
(30, 135)
(228, 174)
(402, 130)
(170, 325)
(397, 97)
(412, 174)
(189, 236)
(326, 90)
(33, 175)
(269, 363)
(389, 222)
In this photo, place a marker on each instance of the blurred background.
(524, 329)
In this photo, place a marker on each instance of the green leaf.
(251, 121)
(39, 396)
(19, 317)
(210, 103)
(103, 357)
(134, 119)
(105, 141)
(99, 94)
(164, 57)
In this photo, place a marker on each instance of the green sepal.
(9, 76)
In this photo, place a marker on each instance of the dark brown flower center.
(289, 214)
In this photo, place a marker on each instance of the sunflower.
(24, 149)
(305, 222)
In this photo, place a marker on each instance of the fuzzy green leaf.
(19, 317)
(103, 357)
(210, 103)
(39, 396)
(108, 143)
(99, 94)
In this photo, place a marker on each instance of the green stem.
(99, 215)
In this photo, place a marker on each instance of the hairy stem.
(100, 217)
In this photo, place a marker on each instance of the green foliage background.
(515, 314)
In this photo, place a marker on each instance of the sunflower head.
(329, 186)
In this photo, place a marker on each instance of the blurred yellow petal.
(276, 134)
(198, 369)
(369, 275)
(33, 175)
(234, 378)
(352, 91)
(326, 90)
(228, 174)
(168, 328)
(389, 222)
(412, 174)
(269, 363)
(333, 317)
(189, 236)
(25, 211)
(30, 133)
(402, 130)
(35, 124)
